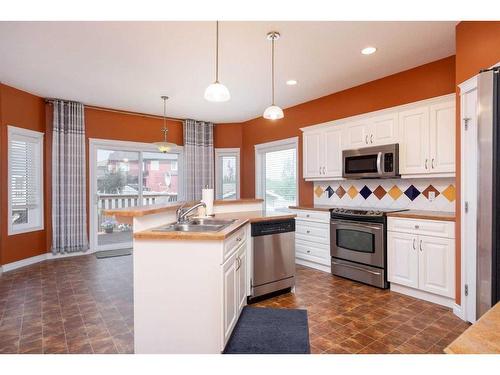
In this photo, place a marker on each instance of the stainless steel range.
(358, 244)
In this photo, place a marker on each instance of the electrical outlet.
(432, 196)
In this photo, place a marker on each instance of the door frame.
(109, 144)
(221, 152)
(468, 234)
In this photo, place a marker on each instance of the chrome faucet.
(182, 213)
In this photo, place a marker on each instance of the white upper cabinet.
(322, 153)
(414, 141)
(442, 141)
(332, 152)
(425, 132)
(311, 152)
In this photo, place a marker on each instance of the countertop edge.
(311, 208)
(431, 215)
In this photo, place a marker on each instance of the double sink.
(197, 225)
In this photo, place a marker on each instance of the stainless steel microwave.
(371, 162)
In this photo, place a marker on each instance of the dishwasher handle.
(273, 227)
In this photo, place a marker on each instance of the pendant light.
(217, 92)
(273, 112)
(165, 146)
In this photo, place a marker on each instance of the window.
(25, 181)
(276, 173)
(227, 173)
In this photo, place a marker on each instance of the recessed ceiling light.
(368, 50)
(291, 82)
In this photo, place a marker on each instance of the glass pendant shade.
(164, 146)
(273, 112)
(217, 92)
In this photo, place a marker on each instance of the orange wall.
(228, 135)
(21, 109)
(477, 47)
(426, 81)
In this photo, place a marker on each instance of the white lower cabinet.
(312, 239)
(234, 289)
(422, 262)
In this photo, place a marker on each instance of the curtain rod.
(50, 100)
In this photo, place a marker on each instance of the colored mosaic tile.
(379, 192)
(340, 191)
(352, 192)
(412, 192)
(395, 192)
(330, 191)
(450, 193)
(365, 192)
(318, 191)
(430, 189)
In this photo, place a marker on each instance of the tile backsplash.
(415, 194)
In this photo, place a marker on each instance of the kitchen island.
(190, 287)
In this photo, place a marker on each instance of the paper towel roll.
(207, 197)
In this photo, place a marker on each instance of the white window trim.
(262, 148)
(219, 152)
(38, 137)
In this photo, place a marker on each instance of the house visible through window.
(276, 174)
(25, 185)
(227, 173)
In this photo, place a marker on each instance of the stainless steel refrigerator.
(488, 212)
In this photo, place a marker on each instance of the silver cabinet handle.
(426, 160)
(371, 138)
(421, 245)
(356, 268)
(308, 251)
(414, 246)
(238, 239)
(307, 215)
(366, 139)
(238, 262)
(307, 231)
(432, 163)
(324, 170)
(417, 226)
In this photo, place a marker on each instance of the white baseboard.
(426, 296)
(39, 258)
(458, 311)
(309, 264)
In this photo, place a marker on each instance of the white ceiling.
(129, 65)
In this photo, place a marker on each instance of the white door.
(332, 153)
(414, 141)
(230, 296)
(242, 278)
(312, 154)
(402, 259)
(442, 137)
(384, 129)
(356, 134)
(437, 265)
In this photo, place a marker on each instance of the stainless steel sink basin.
(196, 225)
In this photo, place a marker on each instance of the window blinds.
(280, 178)
(23, 174)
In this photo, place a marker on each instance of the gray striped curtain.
(69, 211)
(198, 158)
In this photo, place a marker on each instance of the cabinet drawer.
(312, 249)
(323, 216)
(232, 243)
(312, 231)
(435, 228)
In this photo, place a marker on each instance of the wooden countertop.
(312, 207)
(242, 218)
(483, 337)
(156, 208)
(427, 215)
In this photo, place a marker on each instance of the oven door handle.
(356, 268)
(379, 164)
(350, 223)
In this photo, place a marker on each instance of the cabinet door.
(384, 129)
(356, 134)
(437, 265)
(312, 154)
(242, 278)
(332, 151)
(402, 259)
(442, 137)
(414, 141)
(230, 296)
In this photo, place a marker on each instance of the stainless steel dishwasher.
(273, 256)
